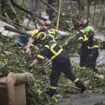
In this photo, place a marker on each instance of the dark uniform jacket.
(52, 51)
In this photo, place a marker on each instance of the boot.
(95, 70)
(80, 85)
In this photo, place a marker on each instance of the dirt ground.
(85, 99)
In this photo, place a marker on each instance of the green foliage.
(88, 76)
(100, 104)
(13, 59)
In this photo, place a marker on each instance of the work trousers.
(92, 58)
(64, 66)
(83, 57)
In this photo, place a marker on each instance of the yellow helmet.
(41, 36)
(34, 32)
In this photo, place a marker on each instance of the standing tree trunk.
(88, 8)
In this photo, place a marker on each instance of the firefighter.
(83, 48)
(33, 43)
(89, 50)
(46, 27)
(93, 47)
(83, 42)
(81, 24)
(60, 63)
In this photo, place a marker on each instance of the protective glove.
(33, 63)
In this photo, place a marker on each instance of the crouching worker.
(60, 63)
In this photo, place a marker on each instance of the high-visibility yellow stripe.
(80, 38)
(52, 50)
(32, 45)
(52, 87)
(85, 38)
(51, 32)
(56, 54)
(82, 31)
(52, 37)
(40, 56)
(47, 46)
(43, 38)
(82, 68)
(34, 32)
(76, 80)
(95, 46)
